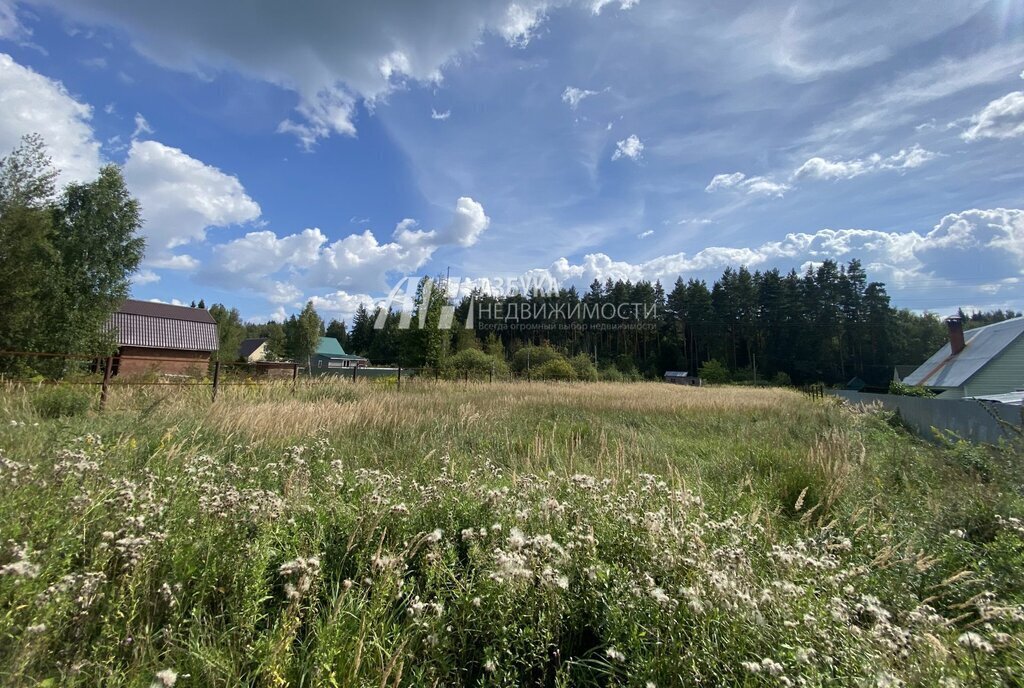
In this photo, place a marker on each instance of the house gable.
(1004, 373)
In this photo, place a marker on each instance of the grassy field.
(505, 534)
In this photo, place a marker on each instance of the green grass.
(508, 534)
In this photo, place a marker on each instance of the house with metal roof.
(330, 358)
(162, 338)
(980, 362)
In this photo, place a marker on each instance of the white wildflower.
(659, 596)
(615, 655)
(165, 679)
(973, 641)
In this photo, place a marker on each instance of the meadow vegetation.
(503, 534)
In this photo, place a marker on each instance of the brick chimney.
(956, 334)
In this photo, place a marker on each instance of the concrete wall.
(975, 421)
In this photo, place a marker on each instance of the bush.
(533, 357)
(61, 402)
(905, 390)
(555, 369)
(782, 379)
(611, 374)
(714, 372)
(583, 367)
(477, 363)
(627, 366)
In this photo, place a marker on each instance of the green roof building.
(330, 359)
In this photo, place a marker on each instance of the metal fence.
(975, 421)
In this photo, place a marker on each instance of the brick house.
(161, 338)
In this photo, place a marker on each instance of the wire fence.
(110, 372)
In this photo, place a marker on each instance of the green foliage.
(302, 334)
(583, 368)
(65, 260)
(533, 357)
(55, 401)
(782, 379)
(905, 390)
(337, 330)
(230, 332)
(478, 364)
(554, 369)
(611, 374)
(713, 372)
(27, 254)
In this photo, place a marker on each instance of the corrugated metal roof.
(151, 332)
(676, 373)
(154, 309)
(1011, 398)
(329, 346)
(983, 344)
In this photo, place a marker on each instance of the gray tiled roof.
(163, 326)
(983, 344)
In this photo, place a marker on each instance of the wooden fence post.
(106, 382)
(216, 378)
(399, 378)
(354, 368)
(295, 376)
(490, 375)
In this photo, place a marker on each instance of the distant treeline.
(829, 324)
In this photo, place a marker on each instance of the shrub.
(477, 363)
(611, 374)
(905, 390)
(627, 366)
(61, 402)
(782, 379)
(533, 357)
(583, 367)
(555, 369)
(714, 372)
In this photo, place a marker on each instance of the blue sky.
(323, 150)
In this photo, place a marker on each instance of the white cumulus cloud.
(341, 304)
(33, 103)
(973, 247)
(285, 267)
(181, 198)
(905, 159)
(631, 147)
(1003, 118)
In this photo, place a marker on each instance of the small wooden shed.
(682, 377)
(162, 338)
